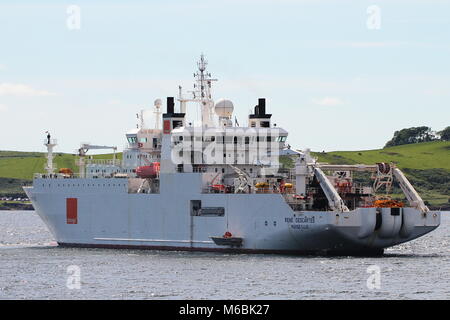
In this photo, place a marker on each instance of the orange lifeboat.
(150, 171)
(66, 171)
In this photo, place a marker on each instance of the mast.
(50, 144)
(201, 92)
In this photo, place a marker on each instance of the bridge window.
(132, 140)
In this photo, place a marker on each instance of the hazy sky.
(338, 75)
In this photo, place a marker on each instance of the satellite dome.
(224, 108)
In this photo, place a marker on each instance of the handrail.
(78, 176)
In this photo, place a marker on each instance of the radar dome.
(224, 108)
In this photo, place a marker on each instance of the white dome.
(224, 108)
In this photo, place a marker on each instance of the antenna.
(202, 90)
(202, 63)
(201, 93)
(141, 117)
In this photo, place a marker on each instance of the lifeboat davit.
(150, 171)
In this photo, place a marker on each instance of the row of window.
(140, 156)
(116, 171)
(133, 140)
(87, 185)
(230, 139)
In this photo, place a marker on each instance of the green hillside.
(426, 165)
(22, 165)
(427, 155)
(17, 168)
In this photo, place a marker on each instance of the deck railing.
(78, 176)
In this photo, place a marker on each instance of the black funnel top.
(260, 110)
(170, 105)
(171, 109)
(262, 106)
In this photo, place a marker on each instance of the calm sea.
(33, 267)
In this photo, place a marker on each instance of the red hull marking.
(72, 210)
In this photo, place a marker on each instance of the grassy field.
(22, 165)
(427, 166)
(427, 155)
(17, 168)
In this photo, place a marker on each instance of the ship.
(213, 185)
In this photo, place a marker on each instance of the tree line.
(418, 134)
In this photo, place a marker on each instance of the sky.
(338, 75)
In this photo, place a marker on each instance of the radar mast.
(201, 93)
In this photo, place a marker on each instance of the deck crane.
(84, 148)
(411, 194)
(383, 176)
(244, 185)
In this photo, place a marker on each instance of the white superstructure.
(214, 185)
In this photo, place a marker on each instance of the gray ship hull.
(107, 216)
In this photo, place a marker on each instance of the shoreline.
(16, 206)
